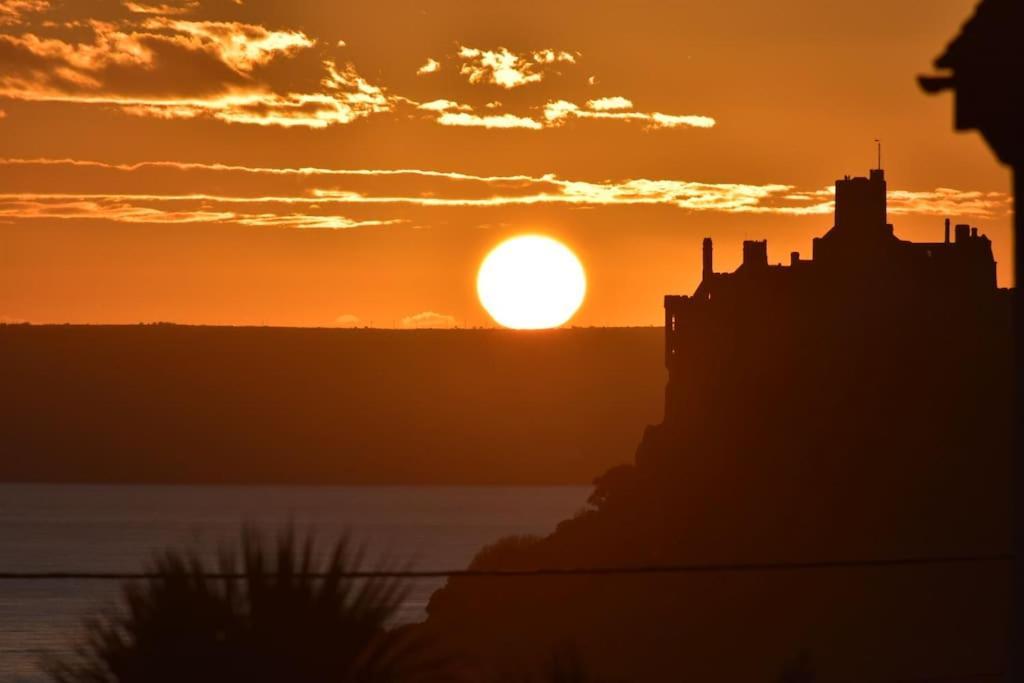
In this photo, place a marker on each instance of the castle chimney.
(947, 231)
(709, 259)
(974, 232)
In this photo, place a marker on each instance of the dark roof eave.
(936, 84)
(986, 36)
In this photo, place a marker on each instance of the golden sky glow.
(312, 163)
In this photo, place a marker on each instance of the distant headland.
(163, 403)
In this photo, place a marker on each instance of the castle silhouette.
(855, 404)
(859, 270)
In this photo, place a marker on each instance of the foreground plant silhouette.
(273, 623)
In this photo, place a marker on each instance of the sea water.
(85, 528)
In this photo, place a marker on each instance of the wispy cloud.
(27, 207)
(242, 47)
(432, 66)
(143, 209)
(149, 59)
(152, 43)
(556, 114)
(945, 201)
(507, 69)
(15, 11)
(347, 320)
(444, 105)
(161, 9)
(464, 119)
(177, 69)
(303, 197)
(428, 320)
(610, 103)
(615, 109)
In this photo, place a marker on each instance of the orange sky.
(350, 163)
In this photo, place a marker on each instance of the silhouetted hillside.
(162, 403)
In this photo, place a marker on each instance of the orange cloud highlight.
(240, 46)
(14, 11)
(122, 209)
(432, 66)
(149, 69)
(162, 9)
(462, 118)
(610, 103)
(159, 65)
(612, 109)
(444, 105)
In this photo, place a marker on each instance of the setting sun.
(531, 282)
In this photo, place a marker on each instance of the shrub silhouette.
(503, 553)
(272, 623)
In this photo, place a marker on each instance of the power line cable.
(552, 571)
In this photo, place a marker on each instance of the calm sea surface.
(116, 528)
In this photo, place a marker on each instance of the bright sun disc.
(531, 282)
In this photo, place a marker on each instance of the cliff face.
(896, 448)
(863, 418)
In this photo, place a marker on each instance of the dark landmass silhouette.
(177, 404)
(851, 406)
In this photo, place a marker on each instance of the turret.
(709, 262)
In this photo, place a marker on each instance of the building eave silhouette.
(984, 67)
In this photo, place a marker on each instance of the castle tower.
(861, 222)
(860, 202)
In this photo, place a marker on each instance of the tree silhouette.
(270, 621)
